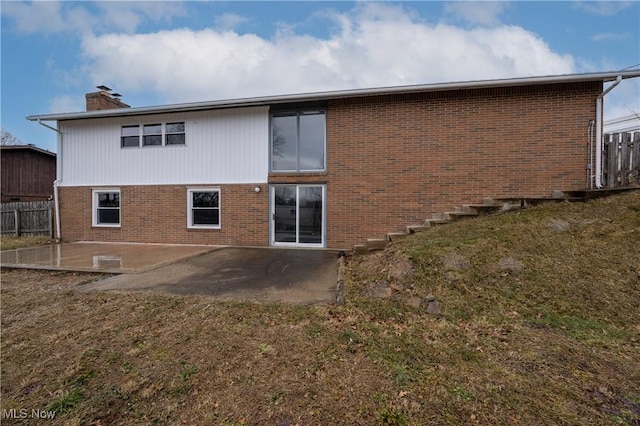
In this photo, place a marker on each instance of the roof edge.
(30, 147)
(351, 93)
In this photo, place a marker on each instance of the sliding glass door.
(297, 215)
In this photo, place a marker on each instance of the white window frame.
(166, 134)
(163, 134)
(94, 207)
(190, 224)
(272, 210)
(122, 136)
(145, 135)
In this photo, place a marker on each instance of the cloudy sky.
(156, 53)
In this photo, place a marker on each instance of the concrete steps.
(377, 243)
(414, 229)
(488, 206)
(466, 211)
(397, 236)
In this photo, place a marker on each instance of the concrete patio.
(225, 273)
(240, 274)
(100, 257)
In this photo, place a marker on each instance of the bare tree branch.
(7, 138)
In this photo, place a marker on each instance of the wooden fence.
(27, 218)
(621, 159)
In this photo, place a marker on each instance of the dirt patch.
(510, 264)
(456, 262)
(401, 270)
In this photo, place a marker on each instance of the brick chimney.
(104, 100)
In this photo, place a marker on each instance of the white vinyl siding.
(223, 146)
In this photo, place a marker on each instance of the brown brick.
(392, 161)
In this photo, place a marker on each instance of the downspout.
(599, 147)
(56, 209)
(590, 137)
(56, 202)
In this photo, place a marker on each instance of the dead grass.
(549, 336)
(9, 243)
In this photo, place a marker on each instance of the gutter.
(56, 200)
(599, 114)
(338, 94)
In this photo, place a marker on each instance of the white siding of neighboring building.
(222, 146)
(630, 123)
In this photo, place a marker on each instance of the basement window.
(203, 208)
(106, 207)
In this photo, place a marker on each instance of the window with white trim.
(154, 134)
(151, 134)
(203, 208)
(175, 134)
(130, 136)
(106, 207)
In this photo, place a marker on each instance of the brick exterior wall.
(395, 160)
(158, 214)
(392, 161)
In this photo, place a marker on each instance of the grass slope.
(538, 323)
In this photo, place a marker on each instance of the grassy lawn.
(538, 322)
(8, 243)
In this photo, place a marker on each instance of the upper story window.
(298, 141)
(130, 136)
(158, 134)
(175, 133)
(152, 134)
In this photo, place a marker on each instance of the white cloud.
(66, 103)
(476, 12)
(610, 36)
(128, 15)
(377, 45)
(34, 17)
(603, 8)
(229, 21)
(58, 17)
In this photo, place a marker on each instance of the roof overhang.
(340, 94)
(27, 148)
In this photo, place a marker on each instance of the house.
(324, 169)
(628, 123)
(28, 173)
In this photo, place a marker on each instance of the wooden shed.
(28, 173)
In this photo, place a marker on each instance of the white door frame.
(272, 213)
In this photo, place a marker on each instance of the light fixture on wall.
(257, 189)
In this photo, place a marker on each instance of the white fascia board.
(323, 96)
